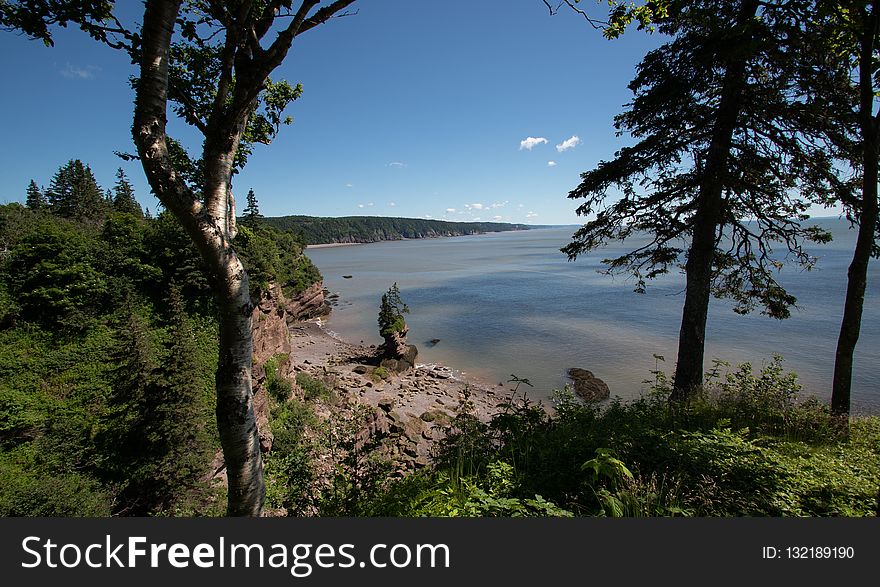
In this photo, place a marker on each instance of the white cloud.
(360, 205)
(520, 206)
(370, 204)
(450, 210)
(498, 218)
(474, 206)
(551, 163)
(348, 185)
(428, 216)
(529, 143)
(567, 144)
(396, 164)
(392, 204)
(531, 215)
(499, 204)
(74, 72)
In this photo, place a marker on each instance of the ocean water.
(505, 304)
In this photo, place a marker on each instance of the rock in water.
(588, 386)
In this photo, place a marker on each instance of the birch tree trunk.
(211, 227)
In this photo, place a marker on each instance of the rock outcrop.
(396, 355)
(271, 338)
(311, 303)
(588, 386)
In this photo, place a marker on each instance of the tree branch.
(596, 24)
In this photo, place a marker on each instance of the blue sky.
(455, 110)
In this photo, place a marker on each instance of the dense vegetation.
(108, 348)
(746, 446)
(369, 229)
(107, 354)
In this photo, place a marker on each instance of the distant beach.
(332, 245)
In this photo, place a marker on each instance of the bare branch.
(596, 24)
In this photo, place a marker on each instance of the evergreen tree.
(182, 410)
(157, 442)
(846, 88)
(251, 215)
(391, 311)
(35, 198)
(123, 196)
(74, 193)
(721, 170)
(128, 442)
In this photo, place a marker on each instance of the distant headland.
(370, 229)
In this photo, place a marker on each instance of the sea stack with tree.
(395, 354)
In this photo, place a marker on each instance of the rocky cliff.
(271, 338)
(310, 303)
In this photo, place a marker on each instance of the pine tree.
(157, 444)
(60, 192)
(35, 198)
(721, 172)
(391, 311)
(129, 438)
(74, 193)
(123, 196)
(847, 41)
(182, 413)
(251, 215)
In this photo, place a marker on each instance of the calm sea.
(507, 304)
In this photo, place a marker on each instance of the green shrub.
(313, 388)
(493, 495)
(746, 446)
(26, 490)
(277, 386)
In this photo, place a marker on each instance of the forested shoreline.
(369, 229)
(120, 331)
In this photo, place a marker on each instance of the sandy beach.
(332, 245)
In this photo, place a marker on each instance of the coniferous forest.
(109, 345)
(368, 229)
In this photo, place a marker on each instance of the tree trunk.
(858, 270)
(211, 230)
(236, 421)
(708, 217)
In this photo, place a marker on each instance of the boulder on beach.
(588, 386)
(403, 362)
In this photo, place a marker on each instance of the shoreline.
(332, 245)
(414, 409)
(314, 349)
